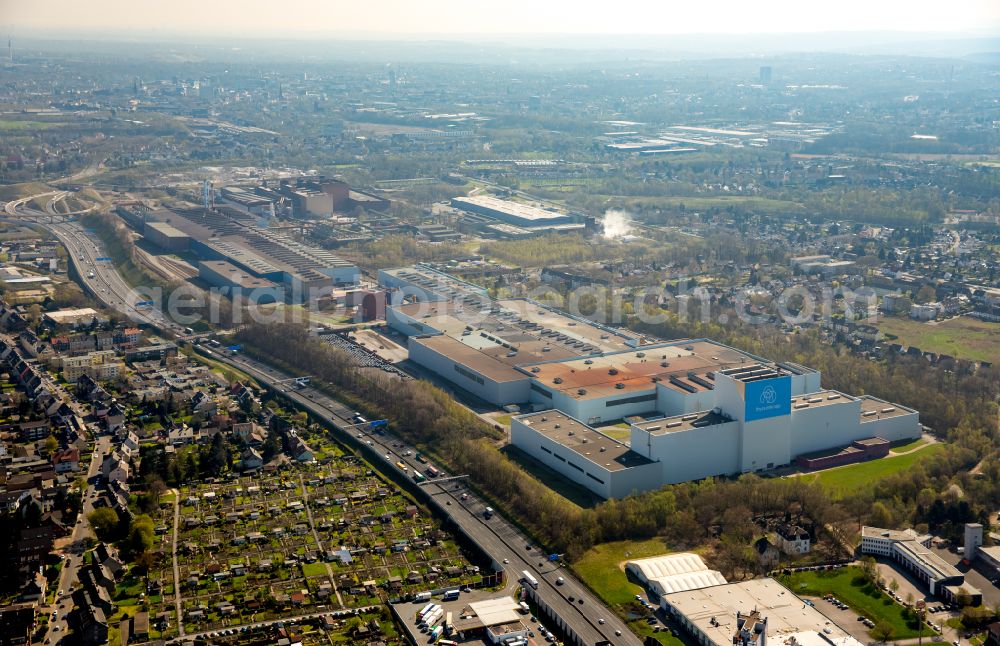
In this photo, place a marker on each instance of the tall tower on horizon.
(10, 51)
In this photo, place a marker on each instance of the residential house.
(793, 540)
(33, 547)
(299, 449)
(34, 430)
(114, 418)
(17, 622)
(66, 460)
(36, 588)
(115, 468)
(131, 441)
(250, 460)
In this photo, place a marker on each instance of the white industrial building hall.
(753, 613)
(695, 408)
(669, 573)
(754, 419)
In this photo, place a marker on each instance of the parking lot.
(978, 575)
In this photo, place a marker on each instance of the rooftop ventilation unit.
(620, 386)
(581, 391)
(557, 380)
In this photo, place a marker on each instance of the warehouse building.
(695, 408)
(753, 613)
(672, 378)
(479, 344)
(583, 454)
(237, 284)
(230, 235)
(166, 237)
(424, 283)
(669, 573)
(754, 424)
(515, 213)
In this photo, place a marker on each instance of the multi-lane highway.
(102, 278)
(586, 620)
(580, 615)
(99, 277)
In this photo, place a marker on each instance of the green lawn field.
(963, 337)
(850, 586)
(908, 446)
(602, 569)
(18, 124)
(599, 568)
(856, 476)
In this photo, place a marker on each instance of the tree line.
(686, 514)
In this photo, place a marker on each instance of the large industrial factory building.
(695, 408)
(228, 235)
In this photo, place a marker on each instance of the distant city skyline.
(315, 18)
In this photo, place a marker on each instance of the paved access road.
(592, 621)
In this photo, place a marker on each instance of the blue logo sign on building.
(768, 398)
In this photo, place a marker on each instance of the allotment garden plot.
(303, 540)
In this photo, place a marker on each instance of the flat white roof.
(502, 610)
(515, 209)
(59, 315)
(713, 612)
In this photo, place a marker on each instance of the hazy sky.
(370, 17)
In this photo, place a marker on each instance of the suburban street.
(72, 547)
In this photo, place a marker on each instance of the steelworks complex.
(244, 259)
(694, 408)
